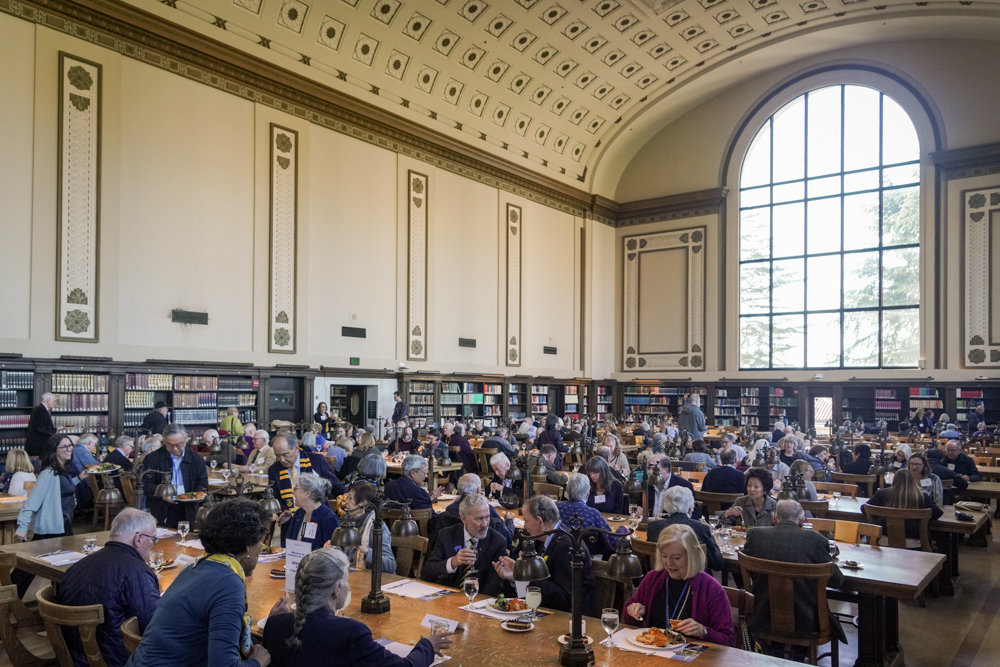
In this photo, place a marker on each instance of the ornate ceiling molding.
(960, 163)
(675, 207)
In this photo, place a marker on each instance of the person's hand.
(505, 567)
(691, 628)
(496, 487)
(84, 475)
(21, 536)
(170, 500)
(440, 642)
(280, 607)
(437, 493)
(636, 611)
(463, 557)
(225, 465)
(260, 654)
(733, 511)
(965, 477)
(284, 517)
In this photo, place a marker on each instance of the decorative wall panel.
(981, 224)
(79, 217)
(284, 233)
(418, 194)
(514, 222)
(685, 349)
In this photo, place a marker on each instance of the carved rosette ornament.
(284, 187)
(416, 309)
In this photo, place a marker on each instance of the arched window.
(830, 235)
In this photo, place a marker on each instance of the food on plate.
(659, 638)
(191, 495)
(268, 550)
(513, 604)
(104, 467)
(519, 625)
(739, 529)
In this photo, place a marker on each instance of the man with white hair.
(408, 487)
(499, 442)
(678, 504)
(469, 485)
(779, 431)
(122, 456)
(691, 418)
(575, 504)
(501, 465)
(467, 549)
(118, 578)
(40, 426)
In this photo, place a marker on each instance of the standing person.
(322, 417)
(691, 418)
(40, 426)
(156, 421)
(401, 411)
(187, 472)
(231, 424)
(202, 618)
(552, 436)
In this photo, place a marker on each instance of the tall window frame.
(896, 188)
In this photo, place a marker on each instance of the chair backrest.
(17, 652)
(742, 604)
(981, 461)
(867, 481)
(715, 502)
(895, 524)
(847, 531)
(543, 489)
(646, 551)
(947, 483)
(131, 634)
(610, 591)
(28, 486)
(23, 616)
(689, 466)
(831, 487)
(538, 479)
(128, 489)
(483, 456)
(85, 619)
(817, 507)
(422, 517)
(781, 579)
(693, 476)
(404, 549)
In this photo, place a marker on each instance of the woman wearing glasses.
(49, 508)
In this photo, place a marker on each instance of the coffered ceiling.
(546, 84)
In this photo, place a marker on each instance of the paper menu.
(63, 558)
(295, 551)
(426, 623)
(412, 589)
(192, 544)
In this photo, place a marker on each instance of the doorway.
(822, 413)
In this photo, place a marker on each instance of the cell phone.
(963, 516)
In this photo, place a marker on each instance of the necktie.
(472, 543)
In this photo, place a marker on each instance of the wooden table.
(9, 509)
(397, 468)
(989, 472)
(481, 642)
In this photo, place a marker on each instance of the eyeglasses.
(64, 447)
(154, 538)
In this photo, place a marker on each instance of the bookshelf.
(605, 400)
(195, 400)
(873, 404)
(237, 392)
(451, 401)
(782, 405)
(17, 391)
(420, 394)
(517, 401)
(539, 401)
(142, 391)
(492, 404)
(585, 406)
(571, 401)
(656, 402)
(83, 404)
(728, 406)
(968, 399)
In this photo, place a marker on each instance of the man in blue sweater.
(725, 478)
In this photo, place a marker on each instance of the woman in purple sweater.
(680, 589)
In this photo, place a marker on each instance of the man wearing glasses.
(185, 469)
(117, 577)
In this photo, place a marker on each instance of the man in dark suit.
(501, 464)
(186, 471)
(40, 426)
(678, 504)
(788, 542)
(156, 420)
(289, 462)
(541, 515)
(468, 549)
(469, 485)
(122, 456)
(725, 478)
(552, 436)
(465, 453)
(499, 442)
(935, 457)
(401, 411)
(408, 487)
(547, 459)
(654, 501)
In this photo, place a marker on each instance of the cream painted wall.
(604, 288)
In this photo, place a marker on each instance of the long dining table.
(478, 641)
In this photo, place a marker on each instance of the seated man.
(289, 462)
(118, 578)
(501, 465)
(122, 455)
(185, 469)
(951, 433)
(678, 503)
(83, 456)
(499, 442)
(576, 493)
(468, 549)
(725, 478)
(935, 457)
(547, 459)
(469, 485)
(788, 542)
(729, 442)
(227, 454)
(408, 487)
(406, 443)
(466, 456)
(655, 500)
(817, 457)
(960, 463)
(862, 463)
(541, 515)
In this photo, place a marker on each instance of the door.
(356, 405)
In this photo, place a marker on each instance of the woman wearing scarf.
(357, 506)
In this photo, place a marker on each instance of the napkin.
(402, 650)
(63, 558)
(163, 533)
(192, 544)
(426, 623)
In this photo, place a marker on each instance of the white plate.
(630, 637)
(447, 496)
(216, 482)
(509, 614)
(509, 629)
(262, 622)
(565, 639)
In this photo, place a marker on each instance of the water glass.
(156, 561)
(183, 527)
(213, 464)
(225, 473)
(836, 498)
(725, 532)
(471, 588)
(533, 597)
(609, 621)
(89, 545)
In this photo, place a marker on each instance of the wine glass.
(89, 545)
(836, 498)
(156, 561)
(213, 464)
(533, 597)
(609, 621)
(633, 509)
(183, 527)
(226, 472)
(725, 532)
(470, 586)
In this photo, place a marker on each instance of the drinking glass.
(725, 532)
(226, 472)
(833, 549)
(213, 464)
(471, 588)
(439, 628)
(836, 498)
(89, 545)
(533, 597)
(183, 527)
(156, 561)
(633, 509)
(609, 621)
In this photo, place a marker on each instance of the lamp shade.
(530, 566)
(655, 479)
(623, 563)
(633, 487)
(346, 535)
(513, 473)
(165, 489)
(269, 503)
(405, 526)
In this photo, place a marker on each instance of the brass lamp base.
(580, 657)
(375, 605)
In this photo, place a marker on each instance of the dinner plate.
(447, 496)
(510, 614)
(217, 482)
(617, 518)
(630, 637)
(854, 566)
(565, 639)
(103, 472)
(510, 629)
(190, 500)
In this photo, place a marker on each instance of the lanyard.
(679, 607)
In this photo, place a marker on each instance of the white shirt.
(17, 482)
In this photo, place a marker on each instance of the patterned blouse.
(750, 516)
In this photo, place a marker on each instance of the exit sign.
(355, 361)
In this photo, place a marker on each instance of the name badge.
(925, 482)
(598, 499)
(951, 466)
(310, 530)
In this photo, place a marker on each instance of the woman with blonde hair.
(17, 471)
(679, 589)
(906, 493)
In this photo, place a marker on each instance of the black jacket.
(880, 499)
(941, 470)
(501, 445)
(448, 542)
(451, 515)
(963, 465)
(724, 479)
(403, 489)
(193, 471)
(713, 555)
(119, 459)
(154, 423)
(553, 437)
(557, 590)
(40, 429)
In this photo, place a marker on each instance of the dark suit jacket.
(119, 459)
(404, 489)
(713, 554)
(154, 423)
(449, 541)
(40, 429)
(451, 515)
(515, 486)
(553, 437)
(501, 445)
(788, 543)
(320, 466)
(675, 480)
(723, 479)
(465, 453)
(557, 590)
(193, 471)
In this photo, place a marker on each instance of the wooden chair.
(978, 460)
(483, 455)
(128, 489)
(17, 635)
(781, 578)
(947, 492)
(422, 517)
(538, 479)
(610, 591)
(28, 486)
(646, 551)
(850, 531)
(817, 507)
(831, 487)
(895, 525)
(742, 604)
(85, 619)
(404, 549)
(715, 502)
(548, 490)
(131, 635)
(868, 481)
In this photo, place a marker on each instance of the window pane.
(755, 342)
(861, 221)
(861, 128)
(824, 131)
(824, 340)
(899, 137)
(788, 286)
(901, 337)
(755, 234)
(789, 341)
(904, 175)
(755, 287)
(861, 280)
(822, 187)
(789, 192)
(789, 230)
(861, 338)
(824, 225)
(823, 284)
(901, 216)
(757, 165)
(861, 180)
(789, 141)
(755, 197)
(901, 277)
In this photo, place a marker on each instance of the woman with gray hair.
(313, 521)
(361, 498)
(314, 636)
(678, 505)
(371, 469)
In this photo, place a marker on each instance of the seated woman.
(699, 455)
(361, 498)
(371, 469)
(606, 492)
(905, 493)
(680, 589)
(900, 457)
(929, 482)
(202, 617)
(314, 636)
(365, 446)
(17, 471)
(313, 521)
(757, 507)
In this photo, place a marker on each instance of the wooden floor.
(961, 631)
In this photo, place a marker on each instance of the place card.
(183, 560)
(426, 623)
(192, 544)
(295, 551)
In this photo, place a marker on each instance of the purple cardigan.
(709, 605)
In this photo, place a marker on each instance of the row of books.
(195, 383)
(14, 421)
(79, 382)
(238, 401)
(17, 380)
(81, 402)
(149, 381)
(82, 423)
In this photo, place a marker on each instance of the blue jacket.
(822, 474)
(404, 489)
(335, 641)
(118, 578)
(724, 479)
(326, 522)
(44, 504)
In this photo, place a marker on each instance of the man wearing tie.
(187, 472)
(468, 549)
(40, 427)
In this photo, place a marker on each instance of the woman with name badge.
(313, 521)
